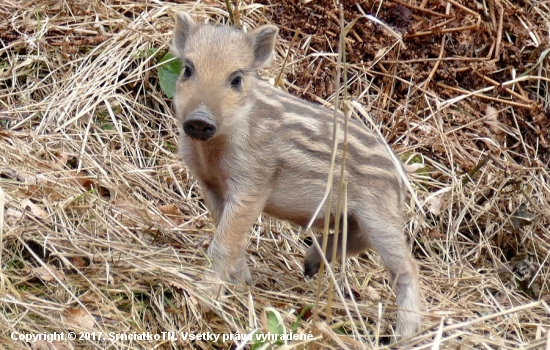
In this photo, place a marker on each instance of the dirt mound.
(449, 48)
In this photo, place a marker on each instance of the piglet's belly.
(297, 218)
(296, 208)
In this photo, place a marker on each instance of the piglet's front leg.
(227, 249)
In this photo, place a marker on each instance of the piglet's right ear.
(263, 42)
(184, 26)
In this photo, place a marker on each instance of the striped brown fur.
(254, 149)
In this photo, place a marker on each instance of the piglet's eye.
(237, 82)
(187, 72)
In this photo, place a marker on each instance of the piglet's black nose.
(199, 127)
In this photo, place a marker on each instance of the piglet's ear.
(184, 26)
(263, 42)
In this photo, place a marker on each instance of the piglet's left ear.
(184, 26)
(263, 42)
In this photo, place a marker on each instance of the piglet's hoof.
(310, 269)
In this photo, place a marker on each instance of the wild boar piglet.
(253, 148)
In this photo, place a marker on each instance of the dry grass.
(103, 230)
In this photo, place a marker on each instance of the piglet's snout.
(200, 125)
